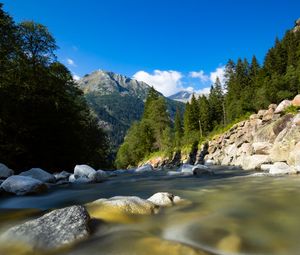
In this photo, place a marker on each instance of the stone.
(23, 185)
(202, 170)
(144, 168)
(83, 171)
(294, 156)
(120, 208)
(255, 161)
(5, 171)
(282, 106)
(186, 168)
(272, 106)
(262, 148)
(261, 113)
(39, 174)
(231, 244)
(247, 149)
(98, 176)
(62, 176)
(164, 199)
(53, 230)
(285, 143)
(268, 115)
(280, 168)
(227, 160)
(296, 101)
(209, 162)
(296, 120)
(265, 167)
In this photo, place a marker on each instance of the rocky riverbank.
(268, 141)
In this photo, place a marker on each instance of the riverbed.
(231, 212)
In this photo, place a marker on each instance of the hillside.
(118, 101)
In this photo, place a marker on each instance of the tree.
(178, 130)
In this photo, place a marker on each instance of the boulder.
(266, 167)
(294, 156)
(186, 168)
(296, 101)
(284, 143)
(209, 162)
(97, 176)
(254, 161)
(261, 113)
(282, 106)
(268, 115)
(39, 174)
(83, 171)
(296, 120)
(22, 185)
(53, 230)
(280, 168)
(272, 106)
(144, 168)
(164, 199)
(5, 171)
(262, 148)
(247, 149)
(118, 209)
(202, 170)
(62, 176)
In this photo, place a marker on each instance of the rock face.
(5, 171)
(267, 137)
(53, 230)
(22, 185)
(39, 174)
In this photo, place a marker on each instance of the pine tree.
(178, 130)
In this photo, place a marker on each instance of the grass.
(292, 109)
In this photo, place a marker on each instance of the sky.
(170, 44)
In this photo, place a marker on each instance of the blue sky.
(168, 43)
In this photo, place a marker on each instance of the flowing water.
(229, 213)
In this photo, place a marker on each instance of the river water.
(229, 213)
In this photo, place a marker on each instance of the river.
(229, 213)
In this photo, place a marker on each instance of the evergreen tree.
(178, 130)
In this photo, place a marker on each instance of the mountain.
(181, 96)
(118, 101)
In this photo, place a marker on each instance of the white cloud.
(211, 77)
(76, 77)
(166, 82)
(71, 62)
(219, 72)
(204, 91)
(201, 75)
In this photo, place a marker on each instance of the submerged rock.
(5, 171)
(39, 174)
(164, 199)
(202, 170)
(53, 230)
(22, 185)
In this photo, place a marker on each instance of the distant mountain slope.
(118, 101)
(181, 96)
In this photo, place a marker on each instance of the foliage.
(44, 119)
(292, 109)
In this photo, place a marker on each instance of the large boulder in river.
(280, 168)
(83, 171)
(201, 170)
(62, 176)
(120, 208)
(254, 161)
(164, 199)
(39, 174)
(51, 231)
(22, 185)
(5, 171)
